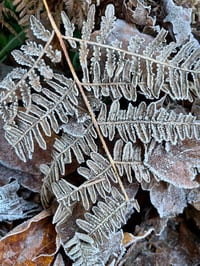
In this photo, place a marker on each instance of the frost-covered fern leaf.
(48, 108)
(12, 206)
(108, 216)
(98, 175)
(128, 159)
(107, 23)
(183, 65)
(113, 68)
(82, 250)
(80, 145)
(39, 30)
(98, 167)
(18, 85)
(87, 28)
(151, 70)
(69, 28)
(67, 194)
(145, 122)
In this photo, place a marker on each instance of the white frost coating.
(168, 200)
(181, 19)
(39, 30)
(69, 28)
(13, 207)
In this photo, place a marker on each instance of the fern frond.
(148, 70)
(18, 84)
(146, 122)
(67, 194)
(87, 28)
(128, 159)
(81, 249)
(108, 216)
(62, 213)
(39, 30)
(26, 8)
(97, 176)
(69, 28)
(33, 49)
(185, 63)
(44, 113)
(107, 23)
(62, 155)
(152, 71)
(99, 168)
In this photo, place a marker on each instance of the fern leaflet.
(62, 155)
(82, 251)
(108, 216)
(145, 122)
(128, 158)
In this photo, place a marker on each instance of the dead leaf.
(171, 247)
(175, 164)
(77, 11)
(180, 19)
(194, 198)
(112, 250)
(193, 216)
(168, 199)
(136, 12)
(12, 206)
(31, 243)
(189, 242)
(129, 238)
(28, 174)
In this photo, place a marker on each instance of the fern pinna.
(36, 101)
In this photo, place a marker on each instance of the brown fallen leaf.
(129, 238)
(136, 12)
(179, 19)
(169, 247)
(193, 216)
(27, 174)
(14, 207)
(175, 164)
(168, 199)
(31, 243)
(193, 198)
(189, 241)
(7, 175)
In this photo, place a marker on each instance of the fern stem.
(62, 44)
